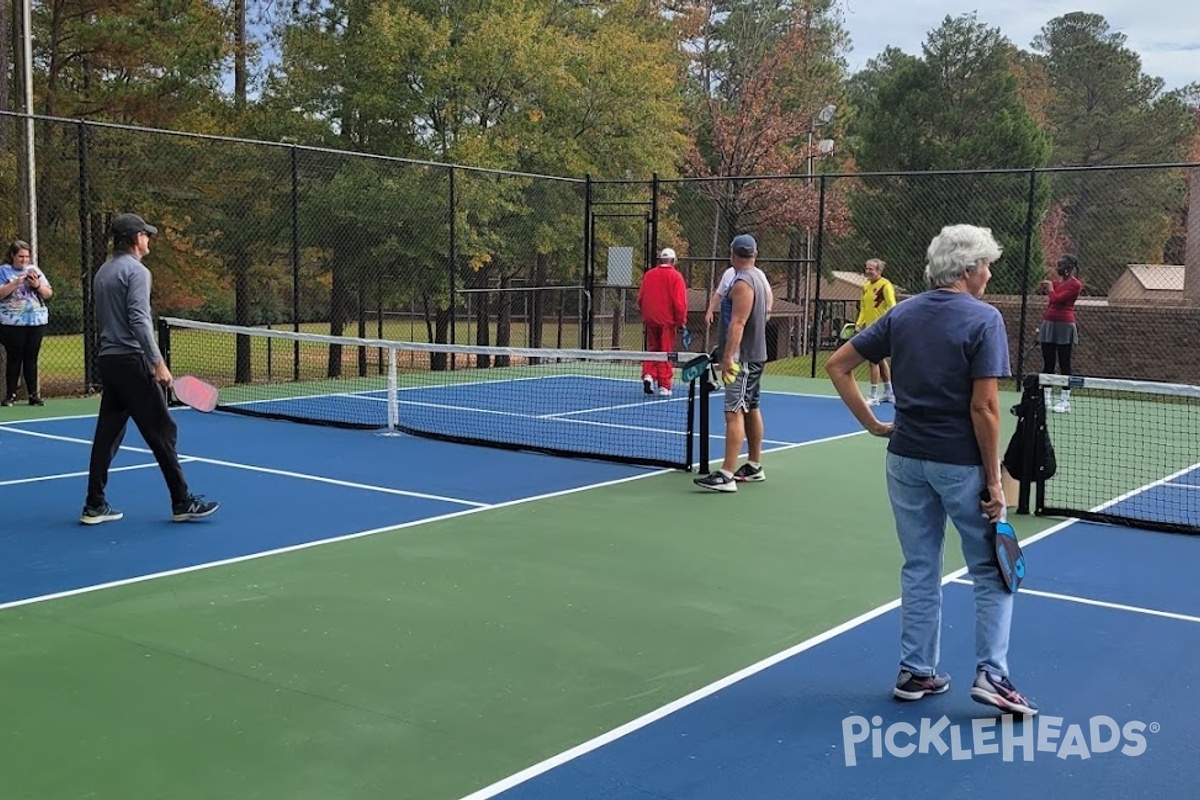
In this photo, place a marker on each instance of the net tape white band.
(435, 347)
(1074, 382)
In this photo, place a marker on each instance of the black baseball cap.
(131, 225)
(744, 246)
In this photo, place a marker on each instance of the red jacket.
(662, 297)
(1063, 295)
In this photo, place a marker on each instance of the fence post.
(589, 278)
(654, 249)
(295, 260)
(453, 265)
(816, 266)
(1031, 199)
(85, 259)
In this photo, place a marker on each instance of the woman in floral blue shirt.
(24, 291)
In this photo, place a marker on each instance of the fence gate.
(622, 231)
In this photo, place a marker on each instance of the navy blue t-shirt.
(939, 343)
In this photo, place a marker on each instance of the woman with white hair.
(949, 351)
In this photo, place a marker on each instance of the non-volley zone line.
(1089, 601)
(265, 470)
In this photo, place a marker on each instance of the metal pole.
(453, 276)
(589, 281)
(654, 248)
(85, 260)
(295, 261)
(817, 273)
(27, 33)
(1030, 200)
(807, 251)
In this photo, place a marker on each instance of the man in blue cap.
(743, 354)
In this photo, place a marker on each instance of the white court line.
(724, 683)
(267, 471)
(1134, 492)
(61, 475)
(643, 404)
(1174, 485)
(1087, 601)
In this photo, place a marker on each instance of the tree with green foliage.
(1105, 111)
(545, 86)
(957, 107)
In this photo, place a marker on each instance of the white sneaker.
(888, 398)
(664, 391)
(1062, 407)
(872, 401)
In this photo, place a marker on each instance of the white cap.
(667, 253)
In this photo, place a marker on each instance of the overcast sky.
(1165, 33)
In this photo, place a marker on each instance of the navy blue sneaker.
(194, 507)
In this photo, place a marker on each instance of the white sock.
(727, 474)
(754, 464)
(887, 388)
(874, 390)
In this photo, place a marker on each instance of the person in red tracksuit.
(662, 300)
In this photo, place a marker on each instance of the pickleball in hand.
(731, 375)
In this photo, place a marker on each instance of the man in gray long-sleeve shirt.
(134, 376)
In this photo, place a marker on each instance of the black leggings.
(130, 391)
(1062, 352)
(22, 343)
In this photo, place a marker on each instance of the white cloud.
(1165, 33)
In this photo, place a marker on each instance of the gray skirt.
(1058, 333)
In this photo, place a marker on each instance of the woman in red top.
(1058, 333)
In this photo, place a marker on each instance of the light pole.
(824, 147)
(30, 165)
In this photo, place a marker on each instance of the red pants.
(660, 339)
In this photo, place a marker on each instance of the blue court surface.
(283, 485)
(567, 413)
(1105, 639)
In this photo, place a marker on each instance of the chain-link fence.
(276, 234)
(1132, 228)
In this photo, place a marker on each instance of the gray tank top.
(754, 337)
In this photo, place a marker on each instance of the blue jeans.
(923, 494)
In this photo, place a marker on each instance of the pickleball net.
(1126, 452)
(565, 402)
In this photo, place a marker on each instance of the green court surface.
(432, 660)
